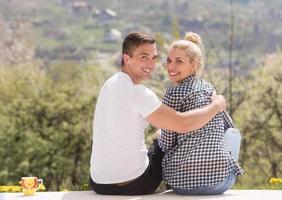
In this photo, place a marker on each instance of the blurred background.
(55, 54)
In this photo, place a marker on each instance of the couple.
(190, 153)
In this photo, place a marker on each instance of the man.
(120, 163)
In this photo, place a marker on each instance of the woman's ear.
(194, 67)
(193, 64)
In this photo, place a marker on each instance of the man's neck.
(126, 69)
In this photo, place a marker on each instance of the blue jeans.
(232, 139)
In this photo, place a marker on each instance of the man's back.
(119, 152)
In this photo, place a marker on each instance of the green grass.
(82, 36)
(43, 42)
(84, 187)
(78, 36)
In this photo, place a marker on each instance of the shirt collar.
(188, 79)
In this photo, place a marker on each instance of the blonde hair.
(194, 48)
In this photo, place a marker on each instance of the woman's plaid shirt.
(199, 158)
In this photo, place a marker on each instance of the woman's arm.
(167, 139)
(228, 123)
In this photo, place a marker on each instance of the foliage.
(46, 122)
(275, 183)
(15, 44)
(260, 120)
(46, 111)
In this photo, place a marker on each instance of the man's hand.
(157, 135)
(182, 122)
(219, 101)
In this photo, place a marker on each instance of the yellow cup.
(30, 185)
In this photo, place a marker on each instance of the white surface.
(89, 195)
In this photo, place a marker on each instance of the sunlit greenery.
(53, 63)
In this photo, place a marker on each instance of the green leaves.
(260, 120)
(46, 123)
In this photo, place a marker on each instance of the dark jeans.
(147, 183)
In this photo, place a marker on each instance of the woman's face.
(179, 65)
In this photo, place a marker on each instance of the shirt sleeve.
(143, 100)
(168, 138)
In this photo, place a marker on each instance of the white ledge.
(90, 195)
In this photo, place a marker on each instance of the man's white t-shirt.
(119, 152)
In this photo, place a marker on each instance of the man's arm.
(167, 118)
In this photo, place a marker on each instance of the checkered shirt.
(201, 157)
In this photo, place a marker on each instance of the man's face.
(142, 62)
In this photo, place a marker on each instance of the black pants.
(147, 183)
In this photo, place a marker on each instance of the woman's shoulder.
(179, 90)
(187, 88)
(202, 85)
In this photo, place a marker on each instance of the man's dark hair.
(133, 40)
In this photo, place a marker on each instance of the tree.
(16, 46)
(45, 126)
(175, 29)
(260, 120)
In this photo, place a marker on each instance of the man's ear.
(126, 58)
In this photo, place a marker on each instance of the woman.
(200, 161)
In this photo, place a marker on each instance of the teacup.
(30, 185)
